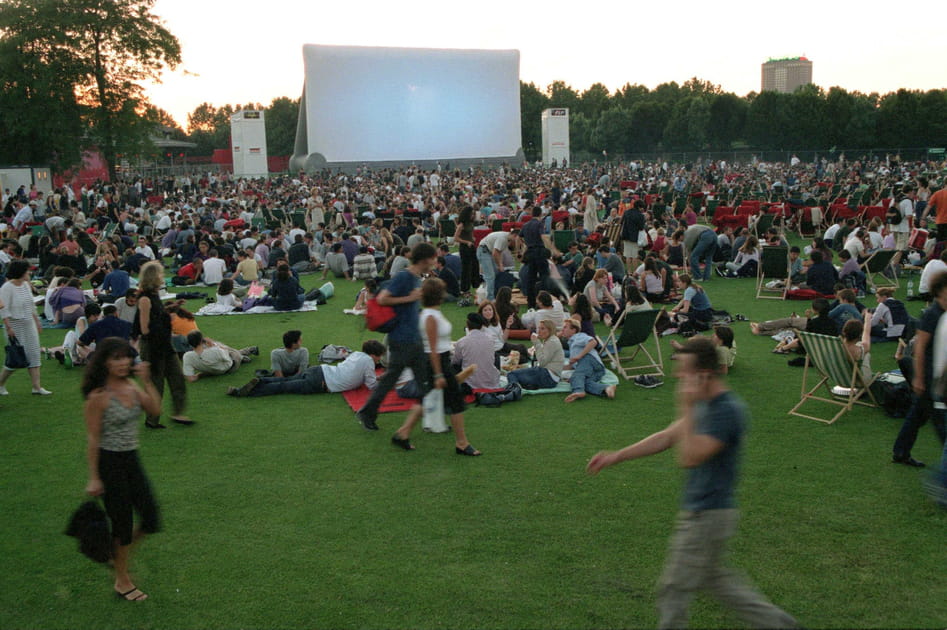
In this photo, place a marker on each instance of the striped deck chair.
(634, 330)
(835, 369)
(774, 265)
(875, 266)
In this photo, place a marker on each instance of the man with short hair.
(214, 268)
(337, 263)
(937, 206)
(211, 358)
(708, 435)
(292, 357)
(490, 256)
(356, 370)
(476, 348)
(405, 348)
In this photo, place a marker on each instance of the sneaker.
(367, 422)
(246, 389)
(255, 351)
(3, 391)
(42, 391)
(233, 391)
(648, 381)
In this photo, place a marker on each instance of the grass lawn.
(283, 512)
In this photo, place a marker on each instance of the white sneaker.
(3, 391)
(42, 392)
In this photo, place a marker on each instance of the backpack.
(331, 353)
(893, 216)
(894, 396)
(900, 317)
(510, 393)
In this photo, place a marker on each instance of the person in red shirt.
(189, 273)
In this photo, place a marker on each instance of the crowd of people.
(583, 245)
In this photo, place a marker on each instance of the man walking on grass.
(708, 436)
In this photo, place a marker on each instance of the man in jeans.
(405, 349)
(922, 403)
(490, 256)
(701, 243)
(708, 436)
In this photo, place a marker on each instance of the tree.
(580, 134)
(532, 104)
(727, 118)
(562, 95)
(103, 50)
(594, 101)
(281, 118)
(209, 127)
(612, 132)
(41, 121)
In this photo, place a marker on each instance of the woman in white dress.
(21, 320)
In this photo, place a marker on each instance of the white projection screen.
(407, 105)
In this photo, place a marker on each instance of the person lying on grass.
(358, 369)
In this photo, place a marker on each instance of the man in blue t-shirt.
(403, 292)
(708, 436)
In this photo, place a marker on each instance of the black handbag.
(16, 354)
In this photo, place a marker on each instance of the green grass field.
(282, 512)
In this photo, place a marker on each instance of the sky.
(236, 51)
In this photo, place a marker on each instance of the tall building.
(785, 75)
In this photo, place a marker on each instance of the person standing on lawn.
(113, 405)
(708, 436)
(405, 348)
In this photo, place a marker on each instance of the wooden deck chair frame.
(634, 330)
(832, 365)
(873, 267)
(774, 265)
(763, 223)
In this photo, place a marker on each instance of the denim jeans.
(488, 269)
(588, 372)
(532, 378)
(703, 250)
(309, 381)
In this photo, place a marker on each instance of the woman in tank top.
(436, 337)
(113, 407)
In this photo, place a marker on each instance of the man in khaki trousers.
(708, 435)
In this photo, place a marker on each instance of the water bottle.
(910, 288)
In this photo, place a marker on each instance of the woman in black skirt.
(114, 404)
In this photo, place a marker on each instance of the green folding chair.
(836, 372)
(774, 266)
(562, 238)
(875, 266)
(634, 331)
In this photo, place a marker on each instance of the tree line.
(71, 76)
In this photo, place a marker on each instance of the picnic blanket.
(562, 387)
(215, 309)
(356, 398)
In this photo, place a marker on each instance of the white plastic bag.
(433, 420)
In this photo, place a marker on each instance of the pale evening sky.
(239, 51)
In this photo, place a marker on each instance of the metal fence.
(745, 156)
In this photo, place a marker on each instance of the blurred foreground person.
(708, 436)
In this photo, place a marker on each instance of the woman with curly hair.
(113, 404)
(153, 326)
